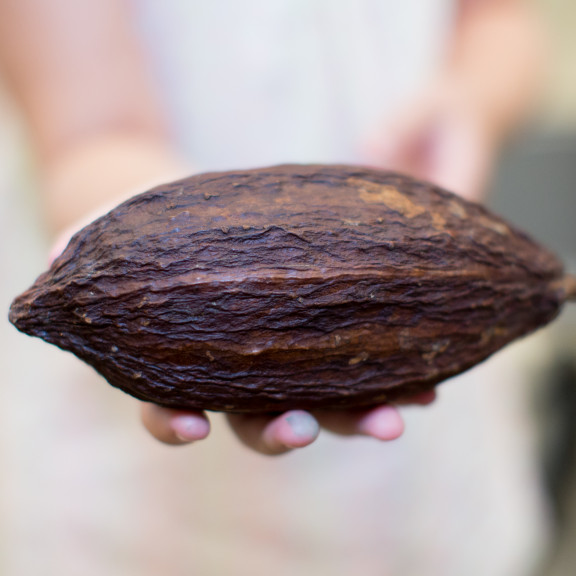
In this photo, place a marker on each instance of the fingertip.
(383, 423)
(174, 427)
(190, 427)
(294, 429)
(300, 429)
(275, 434)
(57, 248)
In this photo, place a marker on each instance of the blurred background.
(536, 187)
(59, 503)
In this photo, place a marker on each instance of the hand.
(267, 434)
(444, 136)
(277, 434)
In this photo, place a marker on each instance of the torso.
(256, 83)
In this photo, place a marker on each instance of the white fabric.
(259, 82)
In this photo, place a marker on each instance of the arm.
(497, 58)
(93, 115)
(488, 84)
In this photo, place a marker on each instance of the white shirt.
(261, 82)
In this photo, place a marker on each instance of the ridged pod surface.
(291, 287)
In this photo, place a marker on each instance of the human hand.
(444, 136)
(274, 434)
(268, 433)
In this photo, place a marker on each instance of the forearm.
(497, 58)
(101, 171)
(80, 76)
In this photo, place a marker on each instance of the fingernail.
(303, 425)
(190, 428)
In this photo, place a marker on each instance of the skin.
(96, 125)
(451, 132)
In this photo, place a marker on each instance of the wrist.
(83, 183)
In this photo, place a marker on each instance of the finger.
(174, 426)
(66, 234)
(382, 422)
(58, 247)
(422, 399)
(274, 435)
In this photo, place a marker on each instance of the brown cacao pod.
(291, 287)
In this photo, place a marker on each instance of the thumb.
(64, 237)
(62, 240)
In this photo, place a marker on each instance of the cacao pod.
(291, 287)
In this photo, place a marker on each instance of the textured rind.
(291, 287)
